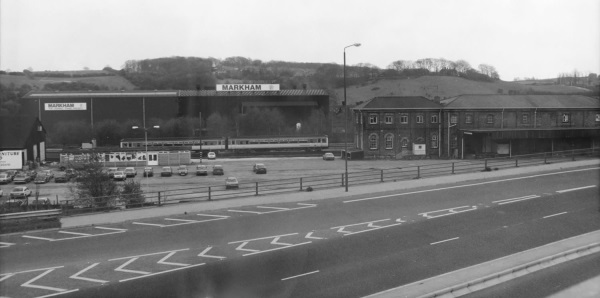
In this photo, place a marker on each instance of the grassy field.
(112, 82)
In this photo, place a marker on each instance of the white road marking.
(75, 233)
(161, 272)
(147, 224)
(573, 189)
(162, 261)
(466, 185)
(120, 268)
(76, 275)
(6, 276)
(182, 220)
(29, 284)
(554, 214)
(277, 209)
(40, 238)
(6, 244)
(444, 241)
(277, 248)
(113, 229)
(299, 275)
(79, 235)
(241, 247)
(58, 294)
(449, 211)
(309, 236)
(508, 201)
(150, 254)
(203, 254)
(370, 224)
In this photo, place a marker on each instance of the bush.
(132, 193)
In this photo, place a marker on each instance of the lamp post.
(346, 120)
(449, 126)
(146, 145)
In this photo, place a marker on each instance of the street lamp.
(449, 126)
(146, 145)
(346, 119)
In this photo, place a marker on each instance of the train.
(307, 143)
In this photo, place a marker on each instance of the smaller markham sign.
(66, 106)
(11, 160)
(247, 87)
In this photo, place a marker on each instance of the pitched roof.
(99, 94)
(288, 92)
(398, 102)
(14, 131)
(521, 101)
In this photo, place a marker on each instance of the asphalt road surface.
(345, 247)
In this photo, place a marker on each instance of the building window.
(420, 118)
(389, 119)
(389, 141)
(565, 118)
(404, 118)
(469, 118)
(373, 141)
(434, 141)
(372, 119)
(404, 143)
(453, 141)
(453, 119)
(434, 118)
(357, 116)
(490, 119)
(525, 118)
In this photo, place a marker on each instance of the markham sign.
(247, 87)
(11, 160)
(66, 106)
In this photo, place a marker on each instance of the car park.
(328, 156)
(166, 172)
(5, 178)
(259, 168)
(120, 176)
(49, 173)
(61, 177)
(211, 155)
(201, 170)
(111, 172)
(20, 192)
(130, 172)
(231, 182)
(218, 170)
(41, 178)
(22, 178)
(182, 170)
(148, 172)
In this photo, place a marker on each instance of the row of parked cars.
(24, 177)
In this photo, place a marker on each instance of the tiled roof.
(290, 92)
(99, 94)
(14, 131)
(398, 102)
(521, 101)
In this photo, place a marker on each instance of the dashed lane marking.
(554, 214)
(512, 200)
(573, 189)
(300, 275)
(438, 242)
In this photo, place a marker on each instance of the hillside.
(37, 83)
(442, 86)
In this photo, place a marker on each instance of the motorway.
(341, 247)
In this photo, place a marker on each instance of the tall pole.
(145, 141)
(346, 121)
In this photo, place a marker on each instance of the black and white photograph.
(300, 149)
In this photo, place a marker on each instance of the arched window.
(404, 143)
(373, 140)
(389, 141)
(434, 141)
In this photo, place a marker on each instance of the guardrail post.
(342, 179)
(381, 175)
(452, 168)
(300, 183)
(257, 188)
(159, 198)
(209, 198)
(418, 172)
(516, 163)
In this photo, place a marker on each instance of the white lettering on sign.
(247, 87)
(66, 106)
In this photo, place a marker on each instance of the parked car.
(218, 170)
(259, 168)
(20, 192)
(166, 172)
(111, 172)
(130, 172)
(120, 175)
(32, 174)
(328, 156)
(22, 178)
(61, 177)
(182, 170)
(41, 178)
(148, 172)
(71, 173)
(5, 178)
(231, 182)
(49, 173)
(201, 170)
(211, 155)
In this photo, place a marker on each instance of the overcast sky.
(521, 38)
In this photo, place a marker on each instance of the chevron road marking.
(76, 275)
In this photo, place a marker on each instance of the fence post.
(342, 179)
(573, 153)
(545, 161)
(516, 163)
(418, 172)
(382, 175)
(485, 167)
(257, 188)
(159, 198)
(452, 168)
(300, 183)
(209, 198)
